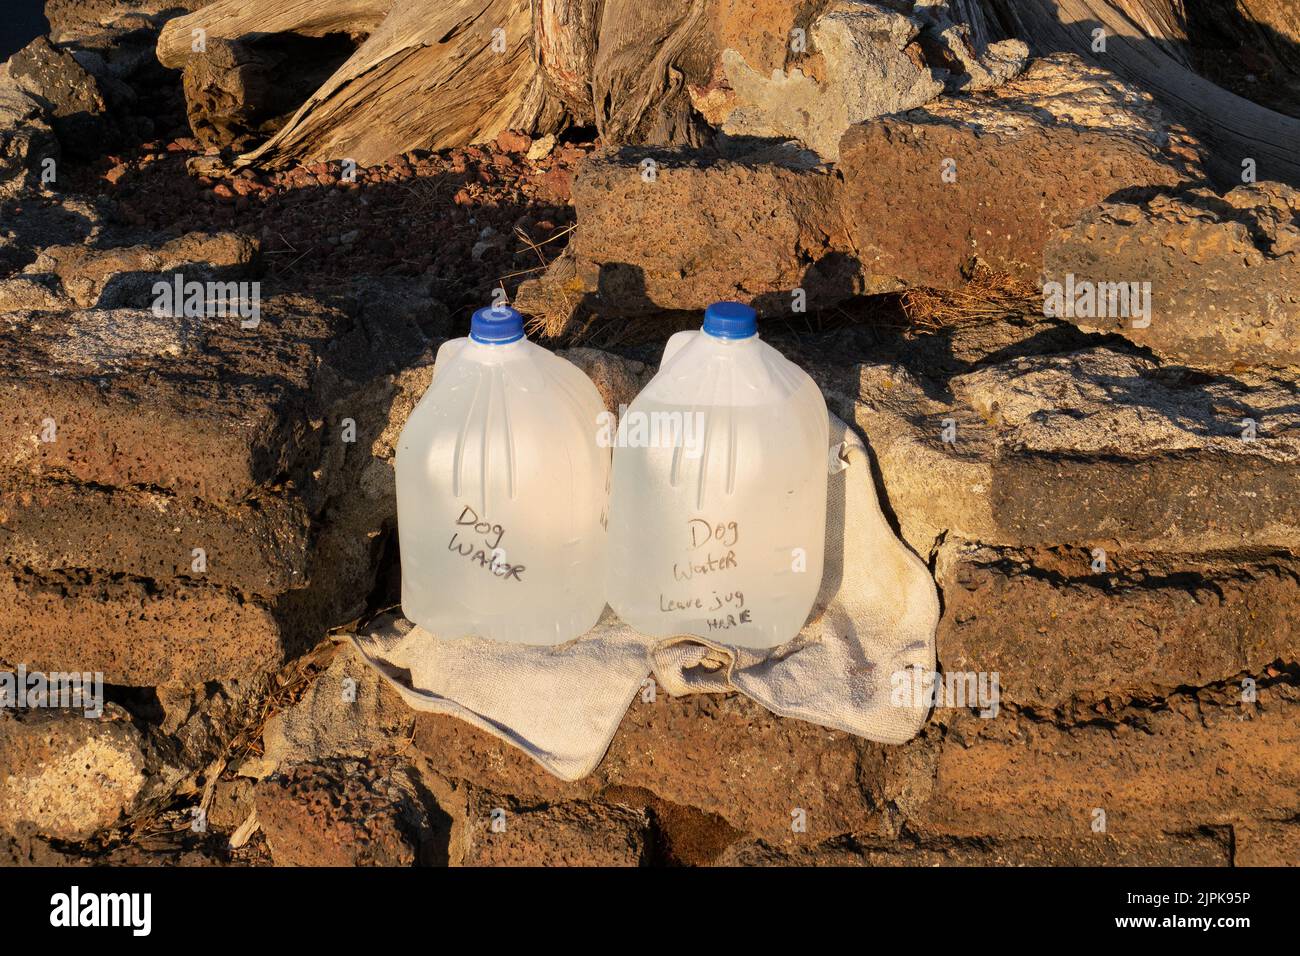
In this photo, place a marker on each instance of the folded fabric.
(873, 625)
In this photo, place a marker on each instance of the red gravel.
(419, 214)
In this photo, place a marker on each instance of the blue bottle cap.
(730, 320)
(496, 325)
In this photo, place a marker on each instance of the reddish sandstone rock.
(994, 174)
(1088, 448)
(662, 229)
(728, 758)
(510, 141)
(702, 229)
(343, 814)
(1199, 758)
(496, 832)
(1067, 639)
(259, 547)
(1223, 273)
(198, 429)
(133, 631)
(136, 402)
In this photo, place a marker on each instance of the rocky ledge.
(191, 504)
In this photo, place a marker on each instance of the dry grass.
(554, 310)
(287, 689)
(154, 825)
(987, 295)
(613, 333)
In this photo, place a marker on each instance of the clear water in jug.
(501, 491)
(718, 497)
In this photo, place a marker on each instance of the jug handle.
(675, 343)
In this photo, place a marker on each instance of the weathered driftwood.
(432, 73)
(239, 93)
(438, 73)
(1146, 43)
(427, 73)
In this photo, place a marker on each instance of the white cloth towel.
(875, 617)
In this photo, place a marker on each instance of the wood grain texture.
(232, 19)
(1146, 44)
(428, 74)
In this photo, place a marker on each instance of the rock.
(510, 141)
(675, 229)
(731, 758)
(65, 774)
(1066, 639)
(497, 833)
(194, 725)
(1000, 61)
(30, 294)
(133, 630)
(1266, 843)
(541, 148)
(259, 548)
(927, 190)
(233, 802)
(271, 446)
(555, 185)
(703, 229)
(680, 835)
(617, 379)
(27, 141)
(1198, 759)
(1223, 274)
(455, 750)
(208, 167)
(343, 813)
(871, 64)
(864, 60)
(125, 276)
(1092, 448)
(124, 398)
(79, 114)
(724, 757)
(952, 793)
(78, 18)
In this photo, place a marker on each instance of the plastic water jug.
(501, 491)
(718, 501)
